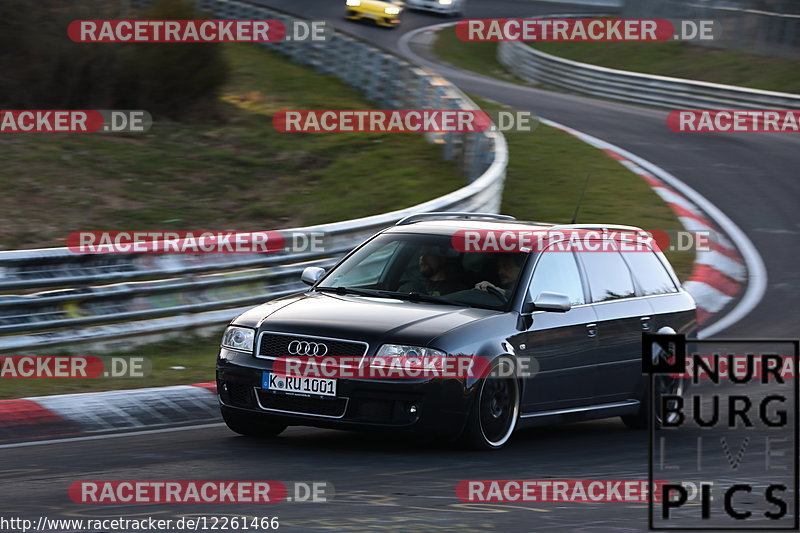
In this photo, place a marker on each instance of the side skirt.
(578, 414)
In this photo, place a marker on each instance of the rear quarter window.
(608, 275)
(650, 275)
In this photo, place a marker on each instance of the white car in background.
(453, 8)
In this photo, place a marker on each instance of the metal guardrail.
(103, 298)
(770, 28)
(659, 91)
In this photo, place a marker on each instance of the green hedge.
(43, 69)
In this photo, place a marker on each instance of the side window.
(609, 277)
(650, 274)
(557, 272)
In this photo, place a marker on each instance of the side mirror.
(552, 301)
(311, 275)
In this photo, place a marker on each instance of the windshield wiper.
(421, 297)
(351, 290)
(376, 293)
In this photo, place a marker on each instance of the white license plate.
(299, 385)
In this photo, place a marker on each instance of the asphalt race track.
(406, 483)
(383, 482)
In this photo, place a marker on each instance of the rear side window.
(651, 276)
(557, 272)
(609, 277)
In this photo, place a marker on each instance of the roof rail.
(410, 219)
(603, 227)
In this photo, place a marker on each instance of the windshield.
(427, 268)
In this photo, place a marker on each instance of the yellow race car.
(381, 12)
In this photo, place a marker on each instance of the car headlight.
(445, 2)
(408, 351)
(237, 338)
(392, 10)
(353, 3)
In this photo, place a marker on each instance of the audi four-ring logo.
(307, 348)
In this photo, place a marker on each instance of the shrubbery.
(42, 69)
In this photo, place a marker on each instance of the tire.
(495, 413)
(252, 424)
(664, 385)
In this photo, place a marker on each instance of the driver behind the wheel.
(509, 266)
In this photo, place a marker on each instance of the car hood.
(374, 320)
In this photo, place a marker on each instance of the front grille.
(277, 345)
(300, 404)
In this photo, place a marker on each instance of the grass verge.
(685, 60)
(675, 59)
(229, 169)
(174, 362)
(477, 56)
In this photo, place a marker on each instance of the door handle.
(645, 322)
(591, 330)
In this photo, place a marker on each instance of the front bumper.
(435, 7)
(378, 18)
(441, 405)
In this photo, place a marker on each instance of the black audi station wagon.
(408, 291)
